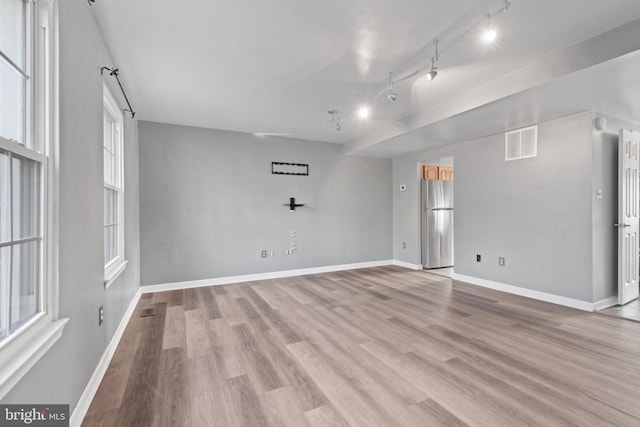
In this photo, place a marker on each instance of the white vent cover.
(521, 143)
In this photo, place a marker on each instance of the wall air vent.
(521, 143)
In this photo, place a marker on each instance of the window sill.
(26, 349)
(113, 272)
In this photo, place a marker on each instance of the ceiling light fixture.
(335, 118)
(488, 34)
(433, 73)
(434, 69)
(391, 95)
(363, 112)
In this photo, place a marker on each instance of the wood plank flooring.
(382, 346)
(630, 311)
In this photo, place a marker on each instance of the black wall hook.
(293, 205)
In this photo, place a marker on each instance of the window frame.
(23, 348)
(116, 266)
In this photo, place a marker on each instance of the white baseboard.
(605, 303)
(260, 276)
(90, 390)
(407, 265)
(529, 293)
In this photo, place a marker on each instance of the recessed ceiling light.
(363, 112)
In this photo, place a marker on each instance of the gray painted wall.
(209, 204)
(61, 375)
(605, 211)
(537, 213)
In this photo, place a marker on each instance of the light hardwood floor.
(630, 311)
(374, 347)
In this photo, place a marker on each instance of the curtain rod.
(114, 72)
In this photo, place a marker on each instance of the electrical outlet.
(404, 245)
(264, 254)
(100, 315)
(501, 261)
(273, 253)
(478, 258)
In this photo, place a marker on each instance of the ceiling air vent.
(521, 143)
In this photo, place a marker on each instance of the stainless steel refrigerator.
(437, 223)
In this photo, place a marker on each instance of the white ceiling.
(594, 89)
(278, 66)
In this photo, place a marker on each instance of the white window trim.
(117, 265)
(22, 349)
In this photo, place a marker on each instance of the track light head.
(434, 70)
(335, 118)
(363, 112)
(391, 95)
(489, 35)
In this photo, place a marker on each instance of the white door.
(628, 245)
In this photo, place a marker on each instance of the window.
(29, 323)
(112, 121)
(20, 240)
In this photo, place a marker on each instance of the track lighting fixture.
(488, 34)
(433, 73)
(434, 69)
(335, 118)
(391, 95)
(363, 112)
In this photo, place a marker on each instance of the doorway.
(628, 226)
(436, 178)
